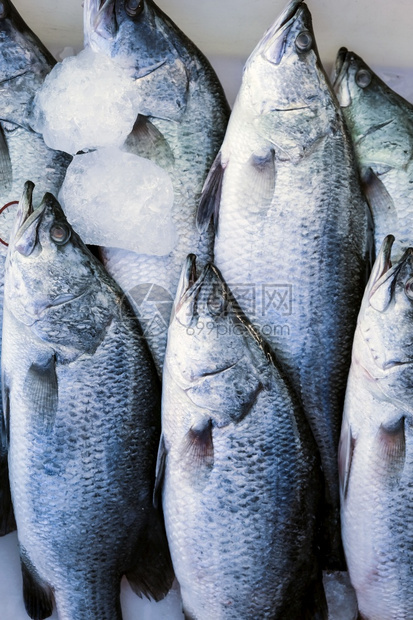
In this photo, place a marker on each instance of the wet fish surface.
(376, 445)
(238, 465)
(291, 223)
(381, 126)
(82, 420)
(24, 63)
(181, 127)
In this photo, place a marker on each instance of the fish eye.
(60, 234)
(133, 7)
(408, 288)
(363, 78)
(3, 10)
(304, 41)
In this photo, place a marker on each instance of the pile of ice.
(117, 199)
(87, 101)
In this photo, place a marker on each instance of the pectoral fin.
(7, 522)
(209, 204)
(145, 140)
(391, 443)
(380, 201)
(41, 391)
(198, 445)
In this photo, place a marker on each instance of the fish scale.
(291, 225)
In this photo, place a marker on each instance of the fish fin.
(315, 603)
(345, 456)
(41, 390)
(6, 171)
(160, 472)
(392, 448)
(261, 176)
(211, 196)
(379, 199)
(7, 520)
(198, 444)
(153, 574)
(145, 140)
(38, 597)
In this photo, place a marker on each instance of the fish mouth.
(14, 77)
(273, 42)
(100, 17)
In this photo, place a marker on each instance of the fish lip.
(341, 64)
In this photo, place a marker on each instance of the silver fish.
(24, 63)
(181, 128)
(240, 469)
(376, 445)
(82, 417)
(292, 227)
(381, 126)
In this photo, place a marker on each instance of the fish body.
(82, 418)
(182, 123)
(241, 478)
(376, 445)
(292, 227)
(381, 126)
(24, 63)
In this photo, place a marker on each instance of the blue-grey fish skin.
(24, 63)
(181, 128)
(241, 482)
(380, 122)
(376, 444)
(83, 417)
(291, 224)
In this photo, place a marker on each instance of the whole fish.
(182, 123)
(381, 126)
(291, 226)
(82, 417)
(376, 445)
(240, 469)
(24, 63)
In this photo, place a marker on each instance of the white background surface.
(227, 31)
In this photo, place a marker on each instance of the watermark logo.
(153, 306)
(277, 298)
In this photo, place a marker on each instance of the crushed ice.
(117, 199)
(87, 101)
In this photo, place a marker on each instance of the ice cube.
(87, 101)
(117, 199)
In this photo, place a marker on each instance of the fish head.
(284, 84)
(20, 49)
(376, 115)
(280, 71)
(140, 37)
(384, 343)
(207, 330)
(51, 283)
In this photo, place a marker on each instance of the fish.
(238, 470)
(24, 64)
(82, 417)
(381, 126)
(376, 444)
(181, 125)
(292, 236)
